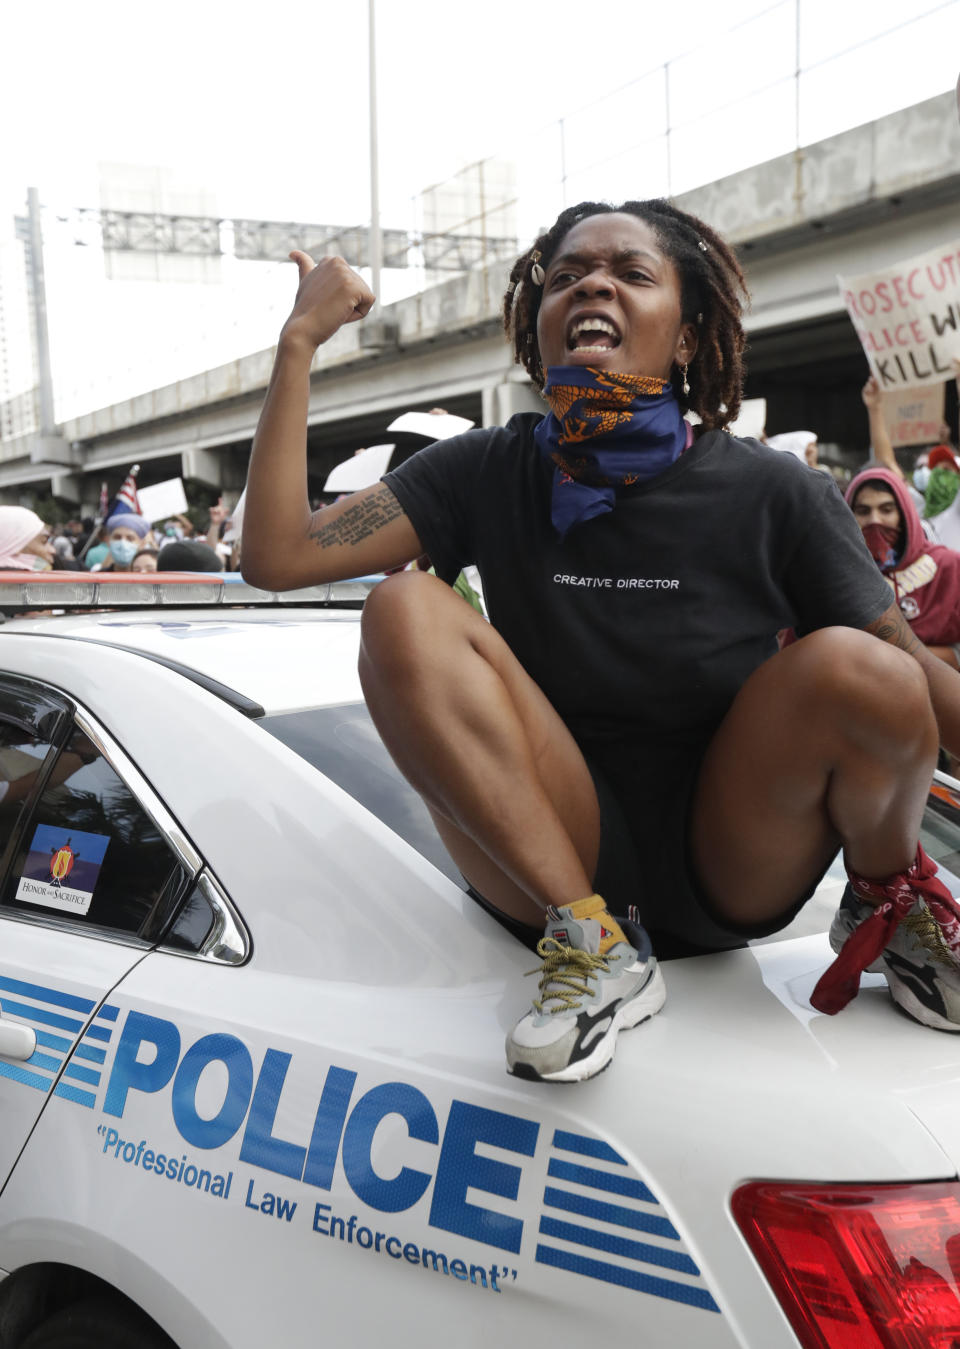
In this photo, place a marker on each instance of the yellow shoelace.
(926, 931)
(565, 965)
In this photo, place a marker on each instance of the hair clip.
(701, 245)
(537, 274)
(700, 318)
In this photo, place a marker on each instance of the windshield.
(940, 829)
(343, 743)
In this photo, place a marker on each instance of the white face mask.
(123, 551)
(921, 476)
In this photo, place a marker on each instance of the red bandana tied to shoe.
(897, 895)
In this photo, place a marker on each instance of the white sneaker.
(586, 996)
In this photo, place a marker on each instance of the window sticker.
(62, 867)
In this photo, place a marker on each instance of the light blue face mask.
(921, 476)
(124, 550)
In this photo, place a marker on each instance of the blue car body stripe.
(21, 1075)
(38, 1060)
(98, 1033)
(53, 1041)
(74, 1094)
(627, 1278)
(587, 1147)
(82, 1074)
(40, 1014)
(51, 995)
(617, 1214)
(109, 1013)
(605, 1241)
(85, 1051)
(600, 1180)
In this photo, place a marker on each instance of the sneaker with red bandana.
(906, 928)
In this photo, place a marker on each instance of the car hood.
(865, 1095)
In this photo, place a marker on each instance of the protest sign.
(364, 469)
(751, 420)
(914, 416)
(908, 317)
(162, 500)
(431, 425)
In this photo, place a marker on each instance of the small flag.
(126, 499)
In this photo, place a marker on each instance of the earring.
(686, 382)
(537, 274)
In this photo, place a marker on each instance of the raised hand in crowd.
(218, 514)
(880, 442)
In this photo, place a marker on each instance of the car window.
(193, 922)
(940, 828)
(23, 754)
(343, 743)
(89, 851)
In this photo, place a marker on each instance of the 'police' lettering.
(259, 1146)
(393, 1098)
(460, 1169)
(214, 1132)
(142, 1075)
(148, 1058)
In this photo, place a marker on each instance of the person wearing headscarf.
(802, 444)
(125, 533)
(24, 540)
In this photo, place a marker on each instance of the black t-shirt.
(644, 622)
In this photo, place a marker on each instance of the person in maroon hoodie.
(924, 576)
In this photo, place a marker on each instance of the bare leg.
(505, 781)
(831, 743)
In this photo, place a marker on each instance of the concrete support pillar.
(69, 486)
(233, 471)
(501, 401)
(202, 464)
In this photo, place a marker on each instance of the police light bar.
(86, 590)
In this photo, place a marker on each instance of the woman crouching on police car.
(622, 748)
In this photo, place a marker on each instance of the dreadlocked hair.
(712, 293)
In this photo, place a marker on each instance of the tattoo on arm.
(358, 521)
(892, 627)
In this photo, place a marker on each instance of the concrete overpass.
(856, 201)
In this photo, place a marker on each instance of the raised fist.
(330, 294)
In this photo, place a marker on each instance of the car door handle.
(16, 1041)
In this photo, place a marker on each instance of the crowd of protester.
(124, 542)
(910, 524)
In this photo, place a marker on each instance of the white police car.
(252, 1082)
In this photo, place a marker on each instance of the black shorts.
(645, 798)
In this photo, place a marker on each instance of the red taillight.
(859, 1266)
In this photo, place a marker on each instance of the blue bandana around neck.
(604, 431)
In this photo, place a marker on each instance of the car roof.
(281, 659)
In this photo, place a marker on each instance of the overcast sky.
(266, 107)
